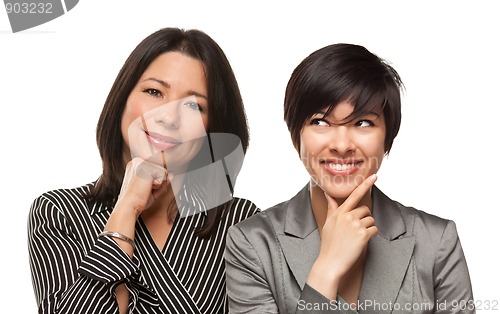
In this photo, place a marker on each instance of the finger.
(368, 222)
(332, 203)
(162, 189)
(372, 231)
(358, 193)
(164, 159)
(158, 158)
(151, 171)
(158, 182)
(361, 212)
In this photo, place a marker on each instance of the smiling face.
(339, 154)
(166, 114)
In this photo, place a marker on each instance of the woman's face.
(166, 114)
(340, 156)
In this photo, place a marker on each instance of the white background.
(54, 79)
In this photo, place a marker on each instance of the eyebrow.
(369, 113)
(189, 92)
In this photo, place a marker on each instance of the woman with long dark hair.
(148, 235)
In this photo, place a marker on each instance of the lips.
(341, 167)
(160, 141)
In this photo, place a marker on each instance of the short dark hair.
(343, 72)
(225, 111)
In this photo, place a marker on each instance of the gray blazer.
(415, 264)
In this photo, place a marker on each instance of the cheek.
(130, 113)
(374, 151)
(312, 145)
(304, 149)
(129, 125)
(376, 161)
(192, 126)
(309, 149)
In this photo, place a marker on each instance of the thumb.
(332, 203)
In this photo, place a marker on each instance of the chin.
(339, 187)
(338, 191)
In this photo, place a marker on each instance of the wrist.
(122, 220)
(325, 279)
(127, 210)
(119, 236)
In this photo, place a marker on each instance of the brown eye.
(153, 92)
(319, 122)
(364, 123)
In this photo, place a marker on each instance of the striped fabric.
(74, 271)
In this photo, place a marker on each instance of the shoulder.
(429, 229)
(264, 222)
(62, 199)
(436, 238)
(255, 239)
(390, 212)
(423, 222)
(240, 209)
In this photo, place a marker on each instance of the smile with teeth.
(342, 167)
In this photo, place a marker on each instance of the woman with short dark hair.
(341, 245)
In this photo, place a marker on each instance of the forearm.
(122, 220)
(323, 280)
(83, 296)
(101, 271)
(65, 275)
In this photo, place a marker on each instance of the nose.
(168, 115)
(341, 142)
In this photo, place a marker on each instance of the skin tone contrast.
(342, 158)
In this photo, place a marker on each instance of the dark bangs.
(339, 73)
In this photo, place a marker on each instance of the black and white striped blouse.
(74, 271)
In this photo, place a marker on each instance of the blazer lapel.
(299, 237)
(388, 255)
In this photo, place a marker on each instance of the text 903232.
(29, 8)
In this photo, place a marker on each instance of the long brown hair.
(226, 111)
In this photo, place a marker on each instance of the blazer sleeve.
(452, 283)
(247, 288)
(313, 302)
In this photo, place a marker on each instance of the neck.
(319, 203)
